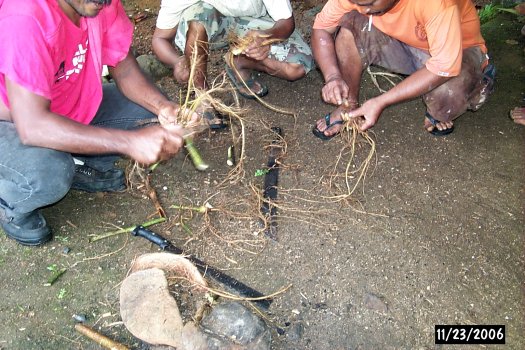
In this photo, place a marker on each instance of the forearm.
(38, 126)
(323, 48)
(415, 85)
(282, 29)
(134, 84)
(164, 50)
(60, 133)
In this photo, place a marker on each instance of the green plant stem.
(202, 209)
(514, 12)
(56, 274)
(126, 230)
(186, 228)
(154, 166)
(194, 155)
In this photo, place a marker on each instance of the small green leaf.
(261, 172)
(62, 293)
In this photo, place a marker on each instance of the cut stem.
(202, 209)
(126, 229)
(194, 155)
(56, 274)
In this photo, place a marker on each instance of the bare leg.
(197, 38)
(350, 65)
(283, 70)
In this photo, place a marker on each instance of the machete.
(230, 283)
(271, 180)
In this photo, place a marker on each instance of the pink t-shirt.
(43, 51)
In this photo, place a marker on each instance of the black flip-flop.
(320, 134)
(250, 83)
(212, 117)
(436, 131)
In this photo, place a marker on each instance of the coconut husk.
(148, 310)
(173, 265)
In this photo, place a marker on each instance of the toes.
(517, 113)
(441, 126)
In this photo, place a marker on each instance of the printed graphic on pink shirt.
(79, 59)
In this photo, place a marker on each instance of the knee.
(196, 28)
(53, 177)
(343, 38)
(295, 71)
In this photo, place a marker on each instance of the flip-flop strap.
(431, 119)
(251, 83)
(327, 121)
(233, 76)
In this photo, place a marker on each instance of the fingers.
(174, 129)
(258, 53)
(363, 122)
(177, 115)
(335, 92)
(156, 143)
(174, 138)
(172, 142)
(194, 119)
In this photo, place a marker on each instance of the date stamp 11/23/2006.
(469, 334)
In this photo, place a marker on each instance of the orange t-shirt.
(442, 27)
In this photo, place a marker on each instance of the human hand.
(335, 91)
(181, 70)
(257, 50)
(171, 113)
(152, 144)
(368, 114)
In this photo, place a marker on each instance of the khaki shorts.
(468, 90)
(293, 50)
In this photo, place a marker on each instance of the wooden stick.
(99, 338)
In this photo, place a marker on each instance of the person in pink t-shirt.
(60, 128)
(436, 45)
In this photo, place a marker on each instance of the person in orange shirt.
(437, 45)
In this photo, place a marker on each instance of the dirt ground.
(434, 235)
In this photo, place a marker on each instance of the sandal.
(250, 83)
(436, 131)
(320, 134)
(489, 76)
(215, 122)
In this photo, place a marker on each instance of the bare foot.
(518, 115)
(331, 126)
(520, 8)
(181, 70)
(208, 113)
(438, 127)
(238, 74)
